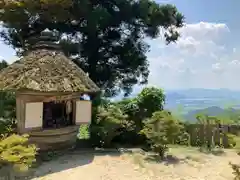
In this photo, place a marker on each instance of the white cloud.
(201, 58)
(216, 66)
(200, 38)
(234, 62)
(204, 30)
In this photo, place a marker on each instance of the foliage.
(126, 116)
(229, 116)
(231, 140)
(7, 102)
(236, 171)
(7, 127)
(7, 105)
(212, 126)
(161, 129)
(237, 147)
(3, 64)
(149, 100)
(105, 38)
(84, 132)
(184, 137)
(110, 121)
(207, 122)
(15, 152)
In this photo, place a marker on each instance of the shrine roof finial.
(47, 40)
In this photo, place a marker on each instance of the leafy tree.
(231, 116)
(148, 101)
(110, 122)
(161, 129)
(184, 137)
(3, 64)
(231, 140)
(7, 101)
(7, 127)
(104, 37)
(8, 105)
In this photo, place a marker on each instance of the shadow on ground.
(183, 157)
(72, 160)
(215, 152)
(167, 160)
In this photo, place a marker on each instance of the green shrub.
(110, 121)
(231, 140)
(84, 132)
(183, 139)
(15, 152)
(7, 105)
(160, 130)
(236, 171)
(148, 101)
(7, 127)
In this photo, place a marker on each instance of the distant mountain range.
(202, 98)
(188, 103)
(205, 93)
(211, 111)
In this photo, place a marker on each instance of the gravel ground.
(90, 167)
(185, 164)
(115, 166)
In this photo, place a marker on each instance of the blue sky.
(206, 56)
(208, 53)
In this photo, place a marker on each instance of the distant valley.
(187, 103)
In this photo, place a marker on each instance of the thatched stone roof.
(46, 70)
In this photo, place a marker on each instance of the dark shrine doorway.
(57, 115)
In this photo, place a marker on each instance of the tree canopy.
(138, 109)
(7, 100)
(104, 37)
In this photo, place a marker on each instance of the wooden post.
(225, 138)
(20, 114)
(201, 134)
(216, 136)
(193, 134)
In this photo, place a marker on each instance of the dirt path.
(90, 167)
(188, 166)
(185, 164)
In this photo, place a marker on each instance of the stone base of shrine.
(54, 139)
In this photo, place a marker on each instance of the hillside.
(229, 113)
